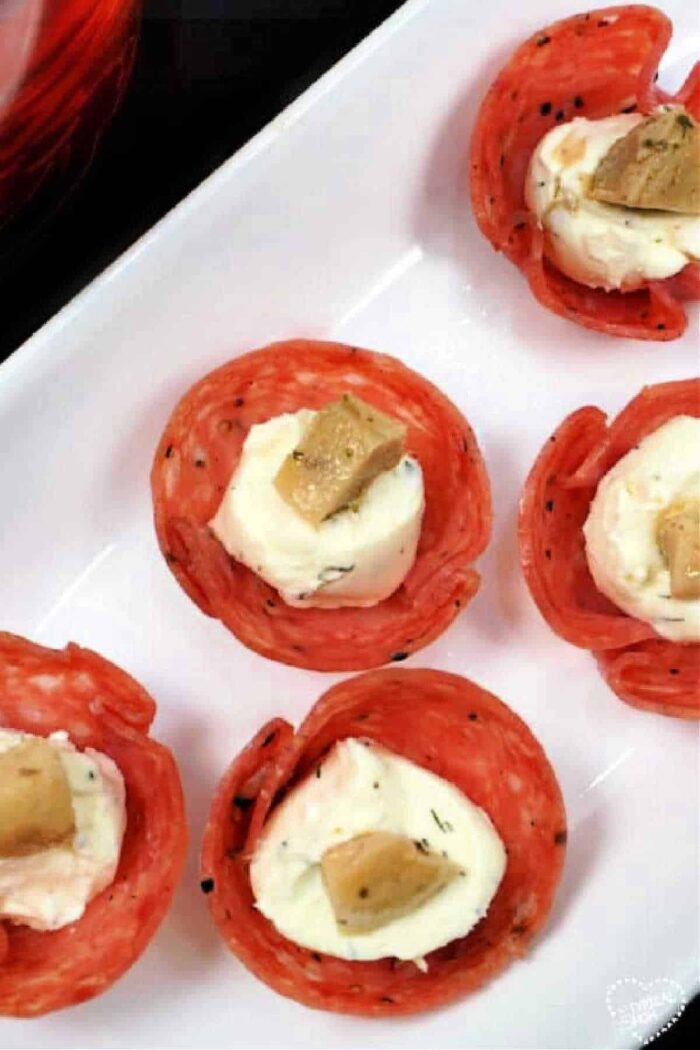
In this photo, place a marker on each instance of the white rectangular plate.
(348, 217)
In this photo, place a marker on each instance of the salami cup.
(595, 65)
(202, 445)
(447, 725)
(45, 691)
(642, 668)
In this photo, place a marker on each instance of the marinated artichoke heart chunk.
(36, 810)
(346, 446)
(656, 165)
(679, 541)
(380, 876)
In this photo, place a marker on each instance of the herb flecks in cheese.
(593, 241)
(641, 531)
(353, 863)
(72, 857)
(356, 557)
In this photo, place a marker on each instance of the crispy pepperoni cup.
(590, 65)
(43, 691)
(640, 667)
(200, 449)
(457, 730)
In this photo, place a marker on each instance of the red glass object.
(64, 65)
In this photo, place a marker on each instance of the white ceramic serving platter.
(348, 218)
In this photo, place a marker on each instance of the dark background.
(208, 75)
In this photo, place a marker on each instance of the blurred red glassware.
(64, 65)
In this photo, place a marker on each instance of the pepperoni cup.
(451, 727)
(590, 65)
(43, 691)
(200, 449)
(644, 670)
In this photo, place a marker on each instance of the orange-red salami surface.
(591, 65)
(43, 691)
(457, 730)
(642, 668)
(657, 675)
(200, 449)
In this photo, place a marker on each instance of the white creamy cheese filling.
(356, 557)
(621, 530)
(598, 244)
(51, 888)
(360, 788)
